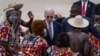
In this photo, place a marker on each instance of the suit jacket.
(67, 27)
(57, 29)
(97, 9)
(90, 8)
(79, 42)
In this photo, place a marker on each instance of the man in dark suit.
(53, 28)
(87, 8)
(75, 10)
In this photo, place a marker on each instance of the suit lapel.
(88, 7)
(47, 30)
(54, 29)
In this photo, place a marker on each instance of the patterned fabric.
(6, 31)
(33, 47)
(55, 51)
(96, 43)
(2, 51)
(6, 36)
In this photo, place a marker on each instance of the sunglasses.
(49, 17)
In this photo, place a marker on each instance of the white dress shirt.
(51, 27)
(86, 4)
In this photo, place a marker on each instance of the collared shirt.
(86, 4)
(51, 27)
(6, 31)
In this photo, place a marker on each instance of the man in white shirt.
(87, 8)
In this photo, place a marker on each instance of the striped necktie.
(50, 31)
(83, 9)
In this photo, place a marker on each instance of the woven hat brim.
(85, 23)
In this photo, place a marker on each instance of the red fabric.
(83, 9)
(36, 49)
(2, 51)
(95, 41)
(4, 32)
(60, 51)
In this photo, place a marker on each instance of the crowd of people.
(77, 35)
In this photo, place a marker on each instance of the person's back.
(79, 42)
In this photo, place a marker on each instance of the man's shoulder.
(84, 34)
(65, 19)
(86, 18)
(70, 33)
(78, 2)
(91, 3)
(98, 4)
(56, 23)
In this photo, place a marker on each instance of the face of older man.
(49, 15)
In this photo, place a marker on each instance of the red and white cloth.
(33, 47)
(3, 51)
(56, 51)
(96, 44)
(6, 31)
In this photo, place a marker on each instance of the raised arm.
(28, 24)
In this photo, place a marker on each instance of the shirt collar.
(48, 24)
(85, 2)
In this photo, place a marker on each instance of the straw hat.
(78, 22)
(15, 5)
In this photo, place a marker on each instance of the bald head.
(49, 15)
(49, 11)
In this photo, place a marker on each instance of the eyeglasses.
(49, 17)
